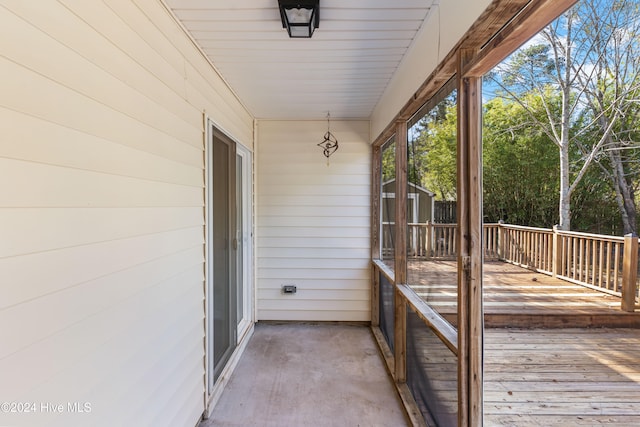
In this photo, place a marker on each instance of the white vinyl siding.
(102, 211)
(313, 221)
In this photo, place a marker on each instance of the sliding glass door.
(222, 252)
(229, 249)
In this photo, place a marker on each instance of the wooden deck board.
(517, 297)
(538, 372)
(566, 377)
(563, 377)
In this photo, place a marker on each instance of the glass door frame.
(242, 322)
(245, 237)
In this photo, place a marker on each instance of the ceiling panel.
(344, 68)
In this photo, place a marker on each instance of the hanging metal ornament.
(330, 144)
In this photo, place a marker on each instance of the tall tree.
(564, 60)
(611, 88)
(521, 176)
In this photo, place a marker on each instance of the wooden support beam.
(434, 320)
(376, 220)
(375, 296)
(463, 254)
(400, 337)
(470, 310)
(527, 23)
(376, 197)
(400, 332)
(401, 203)
(476, 252)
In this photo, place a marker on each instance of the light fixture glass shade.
(299, 17)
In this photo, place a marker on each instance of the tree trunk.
(563, 146)
(625, 196)
(565, 126)
(565, 196)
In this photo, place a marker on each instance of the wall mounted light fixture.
(300, 17)
(330, 144)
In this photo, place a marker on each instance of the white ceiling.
(344, 68)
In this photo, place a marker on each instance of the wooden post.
(556, 253)
(376, 196)
(400, 330)
(400, 337)
(470, 252)
(401, 203)
(500, 243)
(375, 297)
(629, 272)
(376, 221)
(429, 231)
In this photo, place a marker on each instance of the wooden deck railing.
(606, 263)
(528, 247)
(432, 240)
(592, 260)
(439, 241)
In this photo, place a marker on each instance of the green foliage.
(521, 177)
(389, 162)
(529, 67)
(594, 208)
(432, 150)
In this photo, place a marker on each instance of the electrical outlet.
(289, 289)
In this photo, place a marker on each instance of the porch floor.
(309, 374)
(517, 297)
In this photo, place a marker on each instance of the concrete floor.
(309, 374)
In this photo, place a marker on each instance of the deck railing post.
(629, 272)
(556, 253)
(500, 245)
(429, 237)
